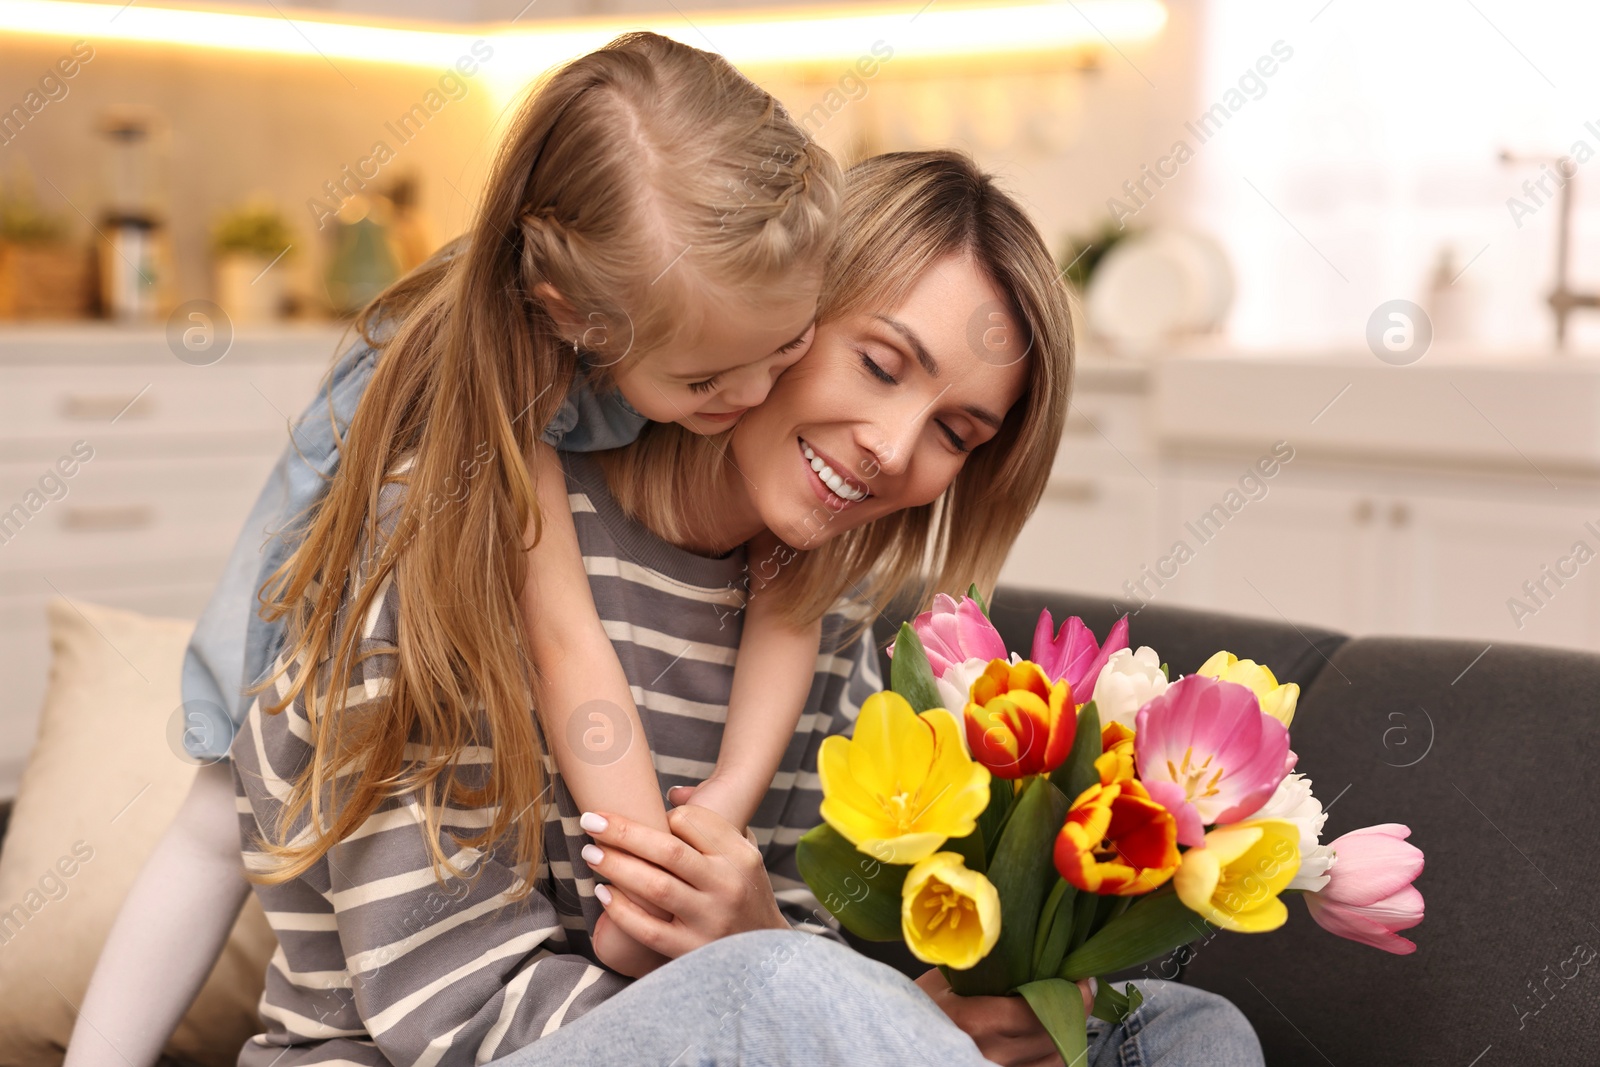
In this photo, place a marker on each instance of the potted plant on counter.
(44, 274)
(250, 246)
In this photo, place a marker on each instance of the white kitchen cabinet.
(1089, 533)
(1396, 552)
(1463, 562)
(1417, 503)
(1302, 552)
(177, 454)
(1096, 522)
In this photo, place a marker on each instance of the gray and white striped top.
(377, 965)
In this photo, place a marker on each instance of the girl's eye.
(876, 371)
(792, 345)
(705, 386)
(956, 439)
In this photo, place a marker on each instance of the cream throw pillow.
(99, 789)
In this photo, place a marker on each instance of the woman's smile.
(827, 478)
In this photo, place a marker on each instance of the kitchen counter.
(94, 343)
(1527, 413)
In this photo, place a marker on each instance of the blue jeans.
(777, 998)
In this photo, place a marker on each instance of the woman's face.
(884, 409)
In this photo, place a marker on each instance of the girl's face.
(884, 411)
(708, 378)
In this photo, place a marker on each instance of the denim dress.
(232, 646)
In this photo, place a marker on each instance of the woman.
(951, 439)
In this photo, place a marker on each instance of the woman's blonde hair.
(643, 156)
(902, 213)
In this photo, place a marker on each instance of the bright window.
(1376, 143)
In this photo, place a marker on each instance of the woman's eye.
(877, 371)
(955, 439)
(705, 386)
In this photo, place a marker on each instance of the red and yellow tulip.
(1019, 722)
(1116, 841)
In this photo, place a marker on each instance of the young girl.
(649, 249)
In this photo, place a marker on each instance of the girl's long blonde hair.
(902, 213)
(643, 155)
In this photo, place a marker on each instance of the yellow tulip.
(1276, 700)
(1234, 880)
(949, 914)
(1116, 762)
(902, 784)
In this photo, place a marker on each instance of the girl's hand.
(705, 873)
(622, 953)
(1005, 1029)
(720, 795)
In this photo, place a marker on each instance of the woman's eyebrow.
(931, 365)
(918, 349)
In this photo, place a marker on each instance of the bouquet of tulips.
(1081, 814)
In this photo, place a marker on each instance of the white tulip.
(1129, 681)
(955, 689)
(1294, 802)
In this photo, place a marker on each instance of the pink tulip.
(954, 633)
(1206, 753)
(1073, 653)
(1369, 894)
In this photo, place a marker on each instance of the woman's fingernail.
(592, 822)
(592, 855)
(603, 893)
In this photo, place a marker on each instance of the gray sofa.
(1490, 758)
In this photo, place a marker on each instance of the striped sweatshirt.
(377, 964)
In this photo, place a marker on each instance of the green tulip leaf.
(1059, 1006)
(1021, 870)
(1114, 1007)
(971, 850)
(911, 676)
(1050, 941)
(1083, 912)
(861, 892)
(972, 591)
(1077, 772)
(1109, 908)
(993, 819)
(1149, 929)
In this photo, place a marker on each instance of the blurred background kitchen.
(1336, 262)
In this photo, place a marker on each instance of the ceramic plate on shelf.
(1160, 285)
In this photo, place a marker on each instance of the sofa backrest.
(1489, 758)
(1185, 638)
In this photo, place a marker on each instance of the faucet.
(1563, 299)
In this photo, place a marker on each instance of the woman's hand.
(707, 874)
(1005, 1029)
